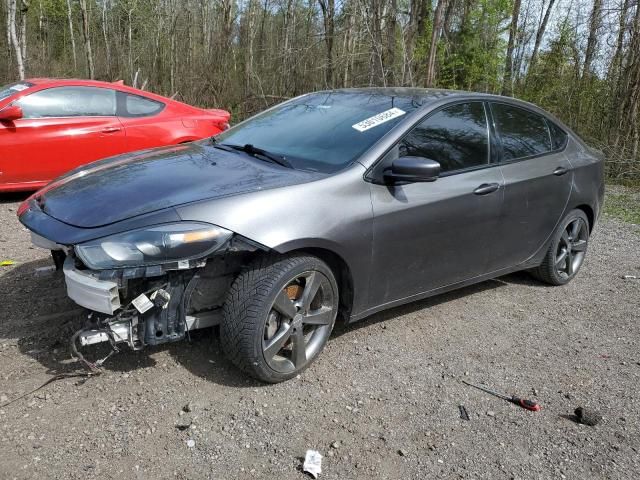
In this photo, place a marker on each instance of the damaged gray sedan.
(333, 205)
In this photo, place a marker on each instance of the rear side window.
(558, 136)
(457, 137)
(137, 106)
(523, 133)
(69, 102)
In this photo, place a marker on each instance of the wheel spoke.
(575, 229)
(310, 290)
(321, 316)
(560, 260)
(569, 263)
(284, 305)
(278, 341)
(299, 354)
(565, 239)
(579, 245)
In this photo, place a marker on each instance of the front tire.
(567, 250)
(278, 316)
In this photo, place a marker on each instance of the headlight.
(153, 245)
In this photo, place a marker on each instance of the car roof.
(427, 96)
(118, 85)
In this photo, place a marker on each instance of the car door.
(430, 235)
(62, 128)
(538, 180)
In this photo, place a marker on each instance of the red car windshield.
(13, 88)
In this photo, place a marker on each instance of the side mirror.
(413, 169)
(10, 113)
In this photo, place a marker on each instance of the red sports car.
(48, 127)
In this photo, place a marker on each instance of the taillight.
(24, 206)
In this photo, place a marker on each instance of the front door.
(62, 128)
(430, 235)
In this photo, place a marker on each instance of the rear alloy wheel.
(278, 316)
(567, 250)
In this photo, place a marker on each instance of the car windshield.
(323, 131)
(8, 90)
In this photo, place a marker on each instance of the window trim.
(121, 105)
(501, 160)
(68, 116)
(371, 176)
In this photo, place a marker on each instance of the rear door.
(538, 180)
(62, 128)
(430, 235)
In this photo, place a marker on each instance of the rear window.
(523, 133)
(137, 106)
(558, 136)
(13, 88)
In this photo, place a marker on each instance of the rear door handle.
(110, 129)
(560, 171)
(486, 188)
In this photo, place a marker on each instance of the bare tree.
(594, 26)
(87, 38)
(19, 49)
(433, 47)
(72, 36)
(539, 34)
(507, 83)
(328, 15)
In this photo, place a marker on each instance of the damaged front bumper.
(90, 292)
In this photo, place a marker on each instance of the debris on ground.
(521, 402)
(7, 263)
(312, 463)
(464, 415)
(402, 452)
(44, 271)
(191, 443)
(631, 277)
(587, 417)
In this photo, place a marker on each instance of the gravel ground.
(382, 401)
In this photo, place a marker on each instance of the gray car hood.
(116, 189)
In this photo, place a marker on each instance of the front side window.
(13, 88)
(137, 106)
(69, 102)
(457, 137)
(323, 131)
(523, 133)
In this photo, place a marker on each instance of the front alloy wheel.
(278, 316)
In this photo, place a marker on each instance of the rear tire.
(278, 316)
(567, 250)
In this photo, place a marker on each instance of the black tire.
(253, 324)
(557, 269)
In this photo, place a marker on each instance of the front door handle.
(486, 188)
(110, 129)
(560, 171)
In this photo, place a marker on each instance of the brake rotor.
(294, 292)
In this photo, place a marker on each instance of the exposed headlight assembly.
(153, 245)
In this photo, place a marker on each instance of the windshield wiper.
(257, 153)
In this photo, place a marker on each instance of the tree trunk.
(539, 35)
(72, 36)
(390, 57)
(507, 84)
(15, 40)
(87, 38)
(592, 42)
(430, 75)
(328, 16)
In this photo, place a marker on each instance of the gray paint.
(400, 243)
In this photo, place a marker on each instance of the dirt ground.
(382, 401)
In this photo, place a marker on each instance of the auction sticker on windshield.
(378, 119)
